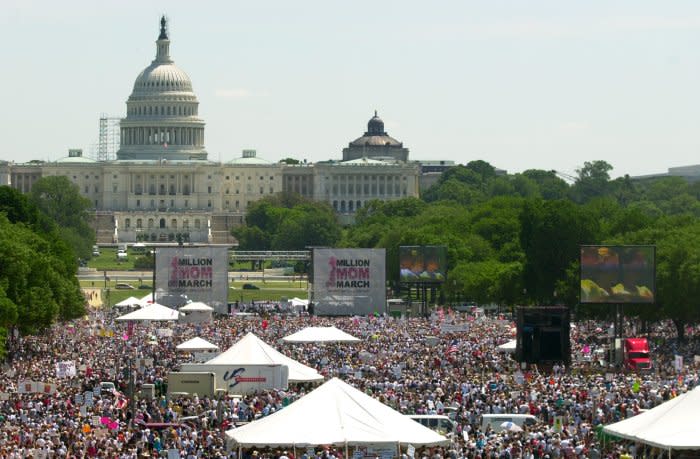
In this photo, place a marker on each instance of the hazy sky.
(520, 84)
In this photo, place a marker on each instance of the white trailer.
(243, 379)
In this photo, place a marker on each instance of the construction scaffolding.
(108, 143)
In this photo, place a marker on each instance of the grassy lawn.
(107, 260)
(270, 290)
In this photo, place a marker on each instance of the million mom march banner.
(198, 273)
(349, 281)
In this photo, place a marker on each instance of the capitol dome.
(162, 77)
(162, 120)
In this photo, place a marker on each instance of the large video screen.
(423, 263)
(618, 274)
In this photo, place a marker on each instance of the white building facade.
(163, 188)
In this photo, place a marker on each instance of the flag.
(452, 348)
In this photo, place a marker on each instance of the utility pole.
(131, 389)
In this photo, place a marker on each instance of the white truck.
(242, 379)
(200, 383)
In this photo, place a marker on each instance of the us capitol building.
(162, 186)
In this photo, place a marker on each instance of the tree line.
(513, 239)
(42, 235)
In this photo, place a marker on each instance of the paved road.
(147, 276)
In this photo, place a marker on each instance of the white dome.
(162, 120)
(162, 77)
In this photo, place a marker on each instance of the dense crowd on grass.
(416, 366)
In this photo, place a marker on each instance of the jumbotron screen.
(618, 274)
(423, 263)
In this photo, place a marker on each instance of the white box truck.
(200, 383)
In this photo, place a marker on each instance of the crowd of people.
(53, 403)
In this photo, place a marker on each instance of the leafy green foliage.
(37, 277)
(288, 222)
(514, 239)
(60, 200)
(37, 286)
(144, 262)
(551, 232)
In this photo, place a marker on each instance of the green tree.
(593, 181)
(487, 281)
(551, 233)
(497, 221)
(550, 186)
(60, 200)
(311, 224)
(37, 284)
(485, 170)
(455, 190)
(288, 222)
(678, 276)
(252, 238)
(525, 186)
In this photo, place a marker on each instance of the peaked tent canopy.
(196, 344)
(131, 301)
(148, 299)
(319, 335)
(152, 312)
(508, 347)
(334, 414)
(196, 306)
(251, 350)
(671, 425)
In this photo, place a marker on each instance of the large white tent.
(251, 350)
(148, 299)
(320, 335)
(334, 414)
(196, 344)
(196, 306)
(508, 347)
(671, 425)
(197, 312)
(152, 312)
(131, 302)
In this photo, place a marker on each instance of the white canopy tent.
(152, 312)
(148, 299)
(298, 302)
(251, 350)
(673, 425)
(508, 347)
(196, 344)
(196, 306)
(131, 302)
(335, 414)
(197, 312)
(320, 335)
